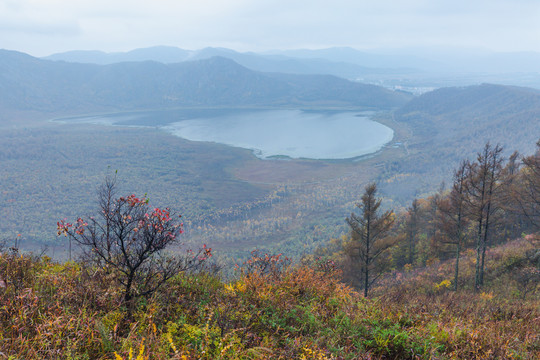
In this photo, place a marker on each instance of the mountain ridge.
(255, 61)
(30, 83)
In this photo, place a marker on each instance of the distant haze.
(43, 27)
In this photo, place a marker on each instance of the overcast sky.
(43, 27)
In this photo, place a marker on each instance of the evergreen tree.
(368, 240)
(451, 220)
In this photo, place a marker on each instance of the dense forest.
(456, 275)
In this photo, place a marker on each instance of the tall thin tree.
(451, 210)
(482, 187)
(413, 214)
(368, 232)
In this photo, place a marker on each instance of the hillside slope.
(72, 310)
(507, 115)
(28, 83)
(452, 124)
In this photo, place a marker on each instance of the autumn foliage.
(130, 239)
(129, 296)
(280, 311)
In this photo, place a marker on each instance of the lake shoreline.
(271, 134)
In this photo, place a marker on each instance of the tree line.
(491, 200)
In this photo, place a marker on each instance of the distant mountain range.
(340, 61)
(281, 63)
(414, 70)
(28, 83)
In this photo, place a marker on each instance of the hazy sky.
(43, 27)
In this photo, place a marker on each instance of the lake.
(269, 133)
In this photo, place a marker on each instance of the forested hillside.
(127, 297)
(459, 117)
(448, 124)
(490, 200)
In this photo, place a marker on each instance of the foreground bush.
(271, 311)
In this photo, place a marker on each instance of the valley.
(228, 197)
(234, 180)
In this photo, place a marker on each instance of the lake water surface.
(273, 133)
(291, 133)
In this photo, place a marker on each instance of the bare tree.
(129, 238)
(368, 231)
(482, 188)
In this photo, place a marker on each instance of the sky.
(44, 27)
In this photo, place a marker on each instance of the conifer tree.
(482, 190)
(368, 232)
(413, 214)
(451, 210)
